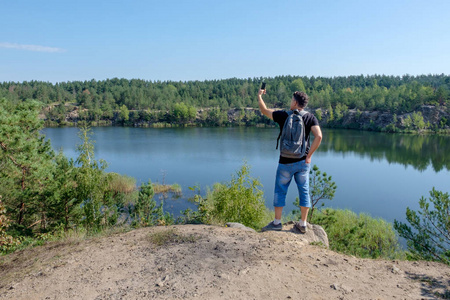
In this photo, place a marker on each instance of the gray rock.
(314, 234)
(240, 226)
(342, 288)
(395, 270)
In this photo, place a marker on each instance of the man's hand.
(261, 92)
(308, 159)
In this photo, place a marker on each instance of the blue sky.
(61, 40)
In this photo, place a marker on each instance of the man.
(293, 167)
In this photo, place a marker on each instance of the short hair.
(301, 98)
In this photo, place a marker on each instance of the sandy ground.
(210, 262)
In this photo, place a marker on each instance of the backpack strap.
(290, 112)
(278, 139)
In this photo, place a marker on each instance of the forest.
(133, 102)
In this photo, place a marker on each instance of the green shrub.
(239, 200)
(146, 212)
(359, 235)
(429, 237)
(203, 213)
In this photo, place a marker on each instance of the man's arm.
(262, 106)
(317, 140)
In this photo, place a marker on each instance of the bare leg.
(278, 212)
(304, 210)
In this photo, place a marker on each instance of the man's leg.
(276, 223)
(282, 181)
(278, 212)
(304, 210)
(302, 180)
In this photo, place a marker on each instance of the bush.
(146, 212)
(429, 237)
(203, 213)
(359, 235)
(239, 200)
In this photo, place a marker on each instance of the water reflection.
(418, 151)
(373, 171)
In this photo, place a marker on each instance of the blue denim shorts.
(285, 172)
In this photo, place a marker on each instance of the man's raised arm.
(262, 106)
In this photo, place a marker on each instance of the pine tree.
(429, 235)
(91, 181)
(64, 208)
(25, 162)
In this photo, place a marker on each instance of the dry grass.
(165, 188)
(170, 236)
(121, 183)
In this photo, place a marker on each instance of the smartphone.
(263, 86)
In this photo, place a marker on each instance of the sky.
(59, 41)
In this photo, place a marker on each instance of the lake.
(376, 173)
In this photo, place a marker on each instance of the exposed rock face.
(352, 118)
(376, 120)
(433, 114)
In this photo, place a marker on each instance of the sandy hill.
(210, 262)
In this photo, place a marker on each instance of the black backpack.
(293, 143)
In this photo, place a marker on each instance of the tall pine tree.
(25, 162)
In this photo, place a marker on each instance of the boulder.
(314, 233)
(240, 226)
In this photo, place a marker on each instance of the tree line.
(130, 101)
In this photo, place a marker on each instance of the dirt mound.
(210, 262)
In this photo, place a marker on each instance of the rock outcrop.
(314, 234)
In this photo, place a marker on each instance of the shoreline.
(422, 121)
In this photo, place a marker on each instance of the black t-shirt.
(309, 119)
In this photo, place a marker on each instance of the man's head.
(299, 100)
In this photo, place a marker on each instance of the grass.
(165, 188)
(170, 236)
(121, 183)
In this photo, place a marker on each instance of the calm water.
(380, 174)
